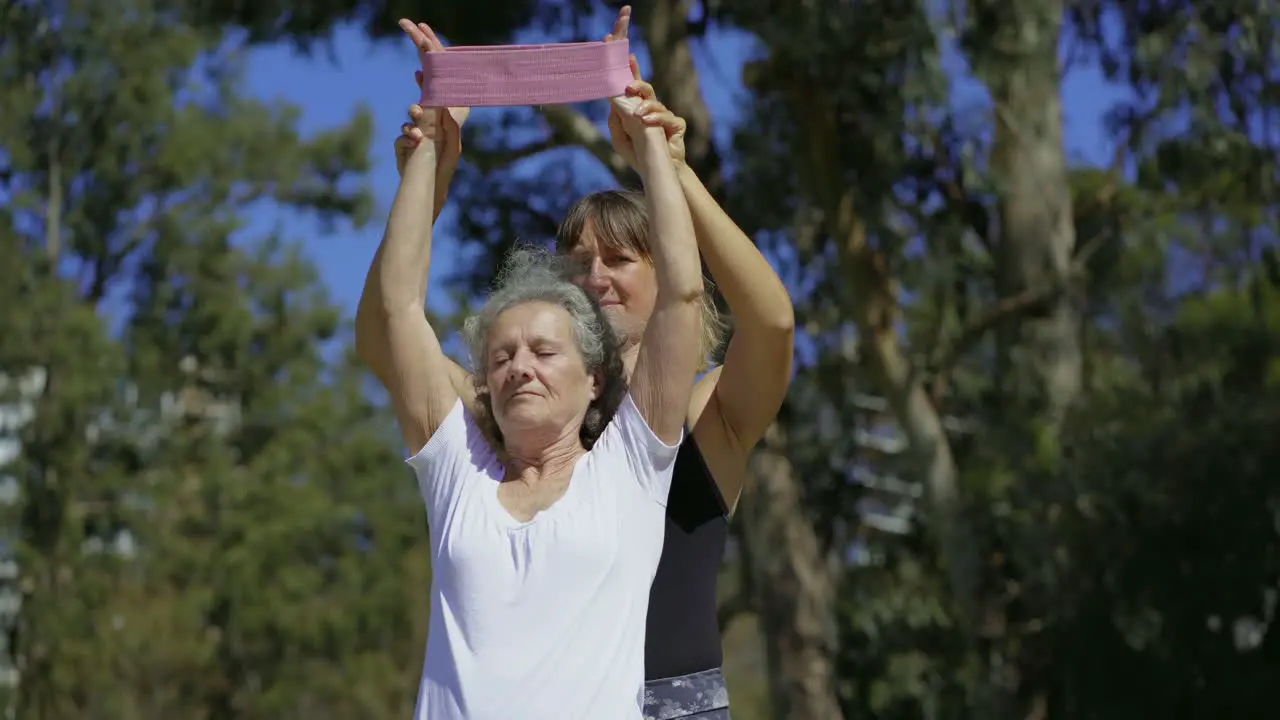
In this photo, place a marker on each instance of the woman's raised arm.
(395, 338)
(744, 394)
(669, 354)
(371, 326)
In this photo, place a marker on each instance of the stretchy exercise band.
(509, 75)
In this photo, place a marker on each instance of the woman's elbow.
(371, 332)
(681, 295)
(776, 320)
(780, 319)
(365, 349)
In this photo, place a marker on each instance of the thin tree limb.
(570, 127)
(1025, 303)
(492, 160)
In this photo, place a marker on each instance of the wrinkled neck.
(532, 456)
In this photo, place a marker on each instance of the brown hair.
(621, 222)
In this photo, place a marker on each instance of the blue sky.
(330, 86)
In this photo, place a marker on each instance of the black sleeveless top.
(683, 634)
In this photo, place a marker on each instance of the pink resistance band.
(509, 75)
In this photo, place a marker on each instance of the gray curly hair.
(531, 274)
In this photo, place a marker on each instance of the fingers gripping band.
(508, 75)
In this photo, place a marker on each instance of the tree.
(210, 521)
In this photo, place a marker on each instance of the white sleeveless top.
(545, 619)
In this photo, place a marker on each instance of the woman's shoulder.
(460, 440)
(628, 446)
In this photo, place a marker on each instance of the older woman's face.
(536, 376)
(622, 281)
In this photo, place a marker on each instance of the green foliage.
(210, 520)
(1174, 550)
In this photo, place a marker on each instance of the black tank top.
(683, 634)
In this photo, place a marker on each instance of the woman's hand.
(404, 145)
(652, 113)
(432, 129)
(448, 148)
(426, 124)
(655, 114)
(642, 145)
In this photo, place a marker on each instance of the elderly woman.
(545, 531)
(609, 236)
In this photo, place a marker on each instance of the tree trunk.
(875, 310)
(1038, 355)
(674, 76)
(1037, 230)
(794, 585)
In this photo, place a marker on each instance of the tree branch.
(1006, 308)
(952, 181)
(570, 127)
(490, 160)
(1025, 303)
(674, 75)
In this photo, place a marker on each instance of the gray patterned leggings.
(697, 696)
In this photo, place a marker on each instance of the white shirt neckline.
(557, 508)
